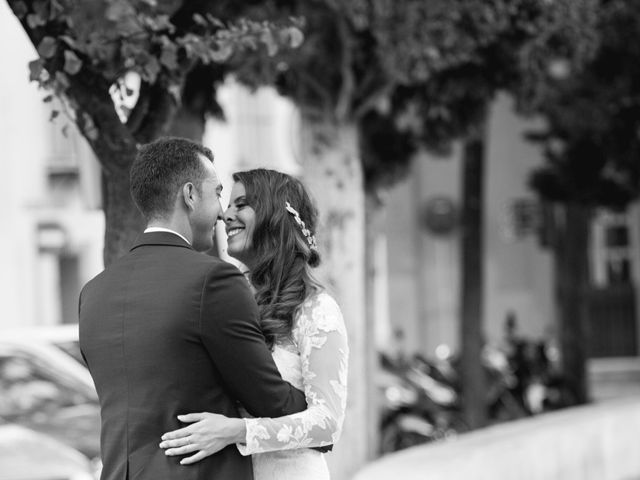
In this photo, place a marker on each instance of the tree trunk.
(123, 221)
(189, 124)
(571, 261)
(472, 276)
(372, 231)
(332, 171)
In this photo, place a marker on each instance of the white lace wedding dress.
(315, 361)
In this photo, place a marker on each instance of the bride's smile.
(240, 219)
(232, 232)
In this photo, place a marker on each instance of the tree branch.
(312, 113)
(347, 88)
(373, 99)
(110, 139)
(95, 113)
(160, 112)
(368, 81)
(140, 109)
(314, 85)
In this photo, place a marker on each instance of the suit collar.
(160, 238)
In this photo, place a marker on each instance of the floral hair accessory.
(311, 239)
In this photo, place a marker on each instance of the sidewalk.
(592, 442)
(597, 441)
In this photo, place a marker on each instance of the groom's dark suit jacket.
(167, 331)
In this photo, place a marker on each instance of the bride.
(270, 223)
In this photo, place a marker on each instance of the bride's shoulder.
(321, 310)
(320, 301)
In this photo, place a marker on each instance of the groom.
(166, 330)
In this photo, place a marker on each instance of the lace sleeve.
(322, 342)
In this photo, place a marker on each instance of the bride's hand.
(207, 434)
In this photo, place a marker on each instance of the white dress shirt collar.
(162, 229)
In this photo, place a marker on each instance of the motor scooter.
(416, 407)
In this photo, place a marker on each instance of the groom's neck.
(175, 224)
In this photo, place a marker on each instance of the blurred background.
(475, 165)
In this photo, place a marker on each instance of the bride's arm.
(322, 340)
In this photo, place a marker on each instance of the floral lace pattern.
(320, 366)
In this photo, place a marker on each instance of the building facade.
(423, 257)
(53, 225)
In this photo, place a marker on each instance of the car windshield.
(28, 386)
(72, 348)
(44, 390)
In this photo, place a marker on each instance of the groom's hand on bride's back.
(207, 434)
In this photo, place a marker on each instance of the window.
(63, 159)
(612, 250)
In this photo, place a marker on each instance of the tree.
(480, 48)
(375, 79)
(364, 66)
(591, 144)
(88, 50)
(423, 71)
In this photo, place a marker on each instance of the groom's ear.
(189, 195)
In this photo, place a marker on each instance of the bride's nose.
(228, 215)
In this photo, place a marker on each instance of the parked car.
(46, 390)
(63, 337)
(29, 455)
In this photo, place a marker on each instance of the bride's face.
(240, 220)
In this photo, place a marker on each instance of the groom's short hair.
(161, 168)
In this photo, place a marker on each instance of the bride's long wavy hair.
(283, 257)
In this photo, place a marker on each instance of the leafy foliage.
(385, 149)
(429, 67)
(468, 51)
(120, 69)
(491, 47)
(100, 43)
(593, 115)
